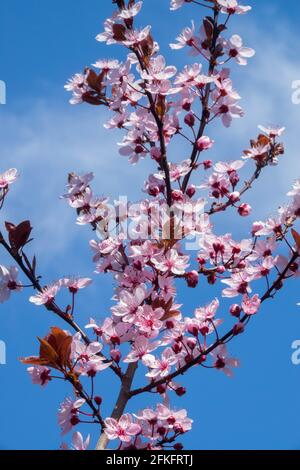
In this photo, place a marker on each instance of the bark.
(121, 403)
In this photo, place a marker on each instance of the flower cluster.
(144, 246)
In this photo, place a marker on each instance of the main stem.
(121, 403)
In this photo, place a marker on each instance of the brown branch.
(205, 102)
(121, 403)
(51, 306)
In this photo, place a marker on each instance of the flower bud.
(244, 210)
(191, 190)
(189, 120)
(180, 391)
(192, 278)
(178, 446)
(207, 164)
(98, 400)
(204, 143)
(115, 354)
(235, 310)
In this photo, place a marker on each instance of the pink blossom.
(160, 367)
(171, 262)
(141, 347)
(223, 362)
(148, 320)
(237, 51)
(186, 38)
(75, 284)
(208, 312)
(272, 132)
(8, 282)
(232, 7)
(251, 305)
(204, 143)
(8, 177)
(127, 13)
(124, 429)
(46, 296)
(78, 443)
(40, 375)
(175, 4)
(67, 412)
(129, 303)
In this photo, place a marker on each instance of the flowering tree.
(147, 246)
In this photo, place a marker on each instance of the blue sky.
(45, 137)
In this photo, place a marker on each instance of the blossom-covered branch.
(168, 237)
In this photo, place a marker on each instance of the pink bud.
(177, 195)
(180, 391)
(235, 310)
(204, 143)
(191, 343)
(192, 278)
(244, 210)
(189, 120)
(207, 164)
(170, 324)
(234, 197)
(191, 190)
(115, 354)
(98, 400)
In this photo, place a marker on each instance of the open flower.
(223, 362)
(124, 429)
(237, 51)
(46, 296)
(8, 177)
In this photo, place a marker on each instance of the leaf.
(18, 234)
(47, 353)
(55, 351)
(208, 27)
(296, 237)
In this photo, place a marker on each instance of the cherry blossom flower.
(208, 312)
(129, 303)
(40, 375)
(78, 443)
(175, 4)
(227, 109)
(272, 132)
(204, 143)
(75, 284)
(131, 12)
(171, 262)
(160, 367)
(123, 429)
(148, 320)
(232, 7)
(186, 38)
(237, 51)
(67, 414)
(238, 284)
(8, 177)
(141, 347)
(8, 282)
(251, 305)
(223, 362)
(46, 296)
